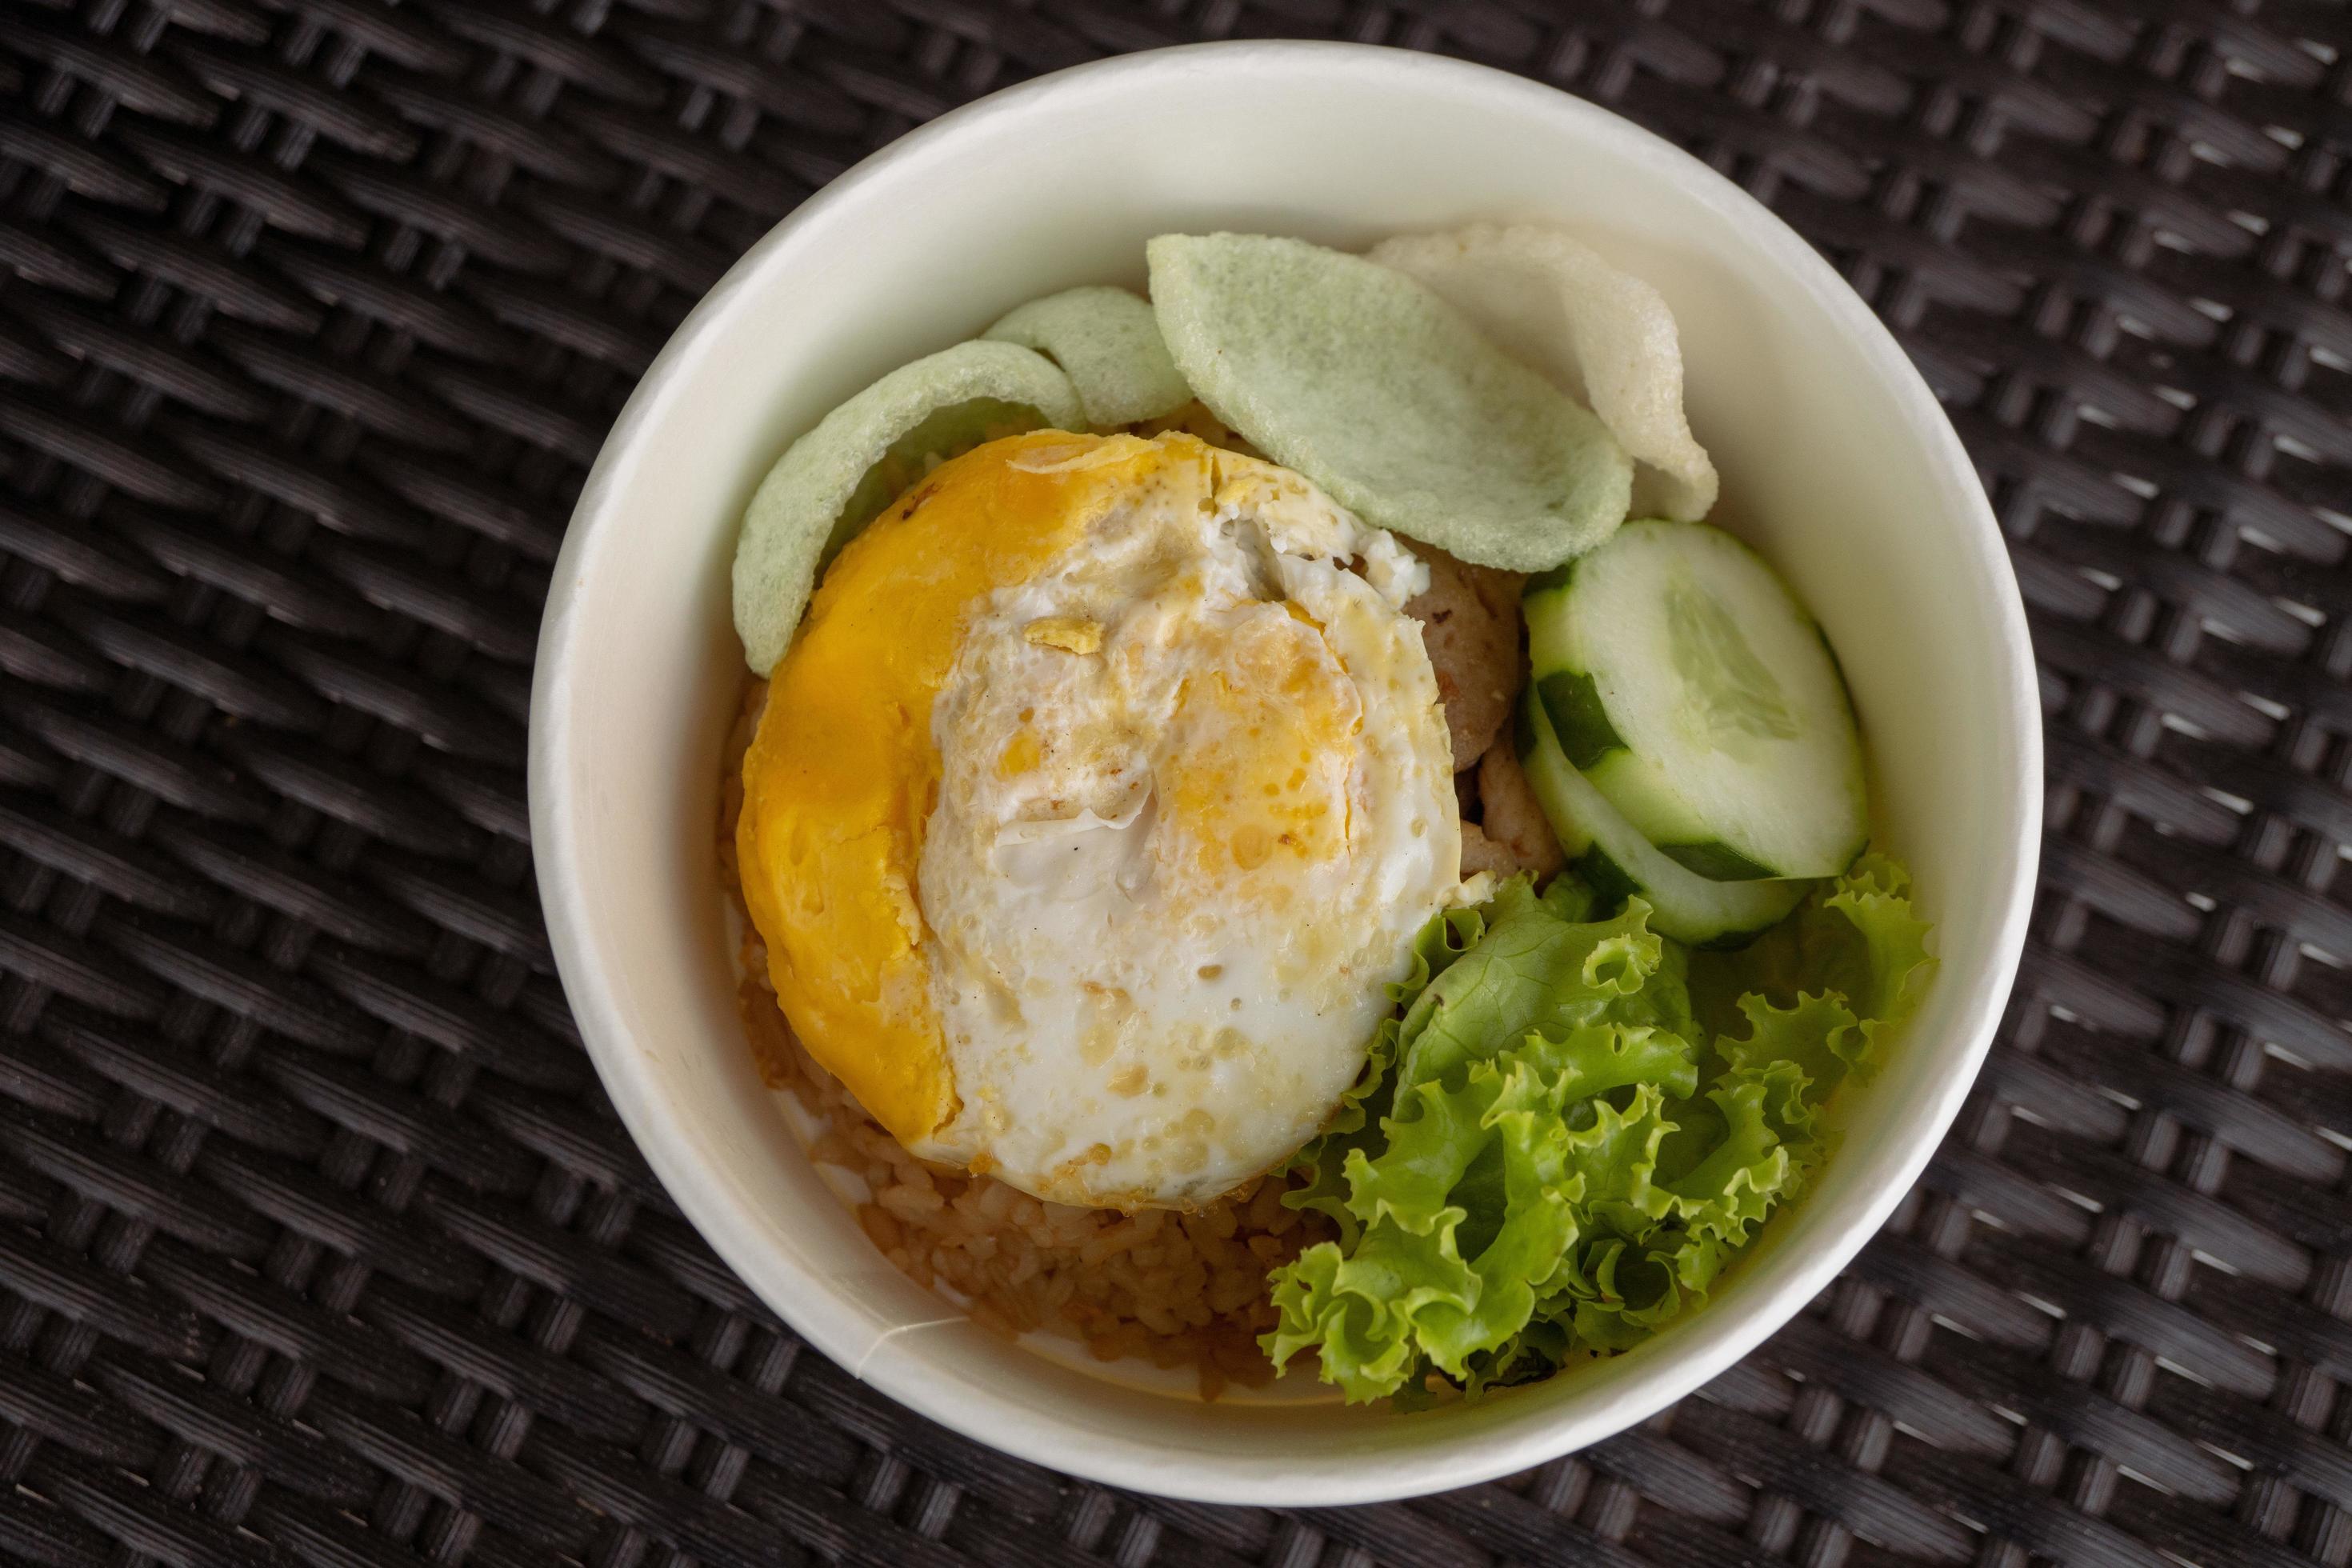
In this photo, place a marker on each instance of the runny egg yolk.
(844, 770)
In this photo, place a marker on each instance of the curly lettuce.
(1569, 1126)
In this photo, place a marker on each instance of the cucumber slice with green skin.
(1614, 858)
(1686, 683)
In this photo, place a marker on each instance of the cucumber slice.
(1612, 855)
(1686, 683)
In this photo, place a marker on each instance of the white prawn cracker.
(1108, 343)
(1594, 331)
(835, 480)
(1386, 396)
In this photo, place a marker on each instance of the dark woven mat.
(318, 1239)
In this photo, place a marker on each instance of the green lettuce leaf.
(1819, 1035)
(1570, 1127)
(1857, 938)
(1533, 972)
(1440, 943)
(1874, 900)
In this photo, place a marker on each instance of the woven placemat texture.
(317, 1241)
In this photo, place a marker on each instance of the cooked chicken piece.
(1480, 853)
(1514, 837)
(1470, 624)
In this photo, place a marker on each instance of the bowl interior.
(1835, 463)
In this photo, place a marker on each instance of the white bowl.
(1836, 463)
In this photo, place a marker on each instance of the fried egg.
(1094, 809)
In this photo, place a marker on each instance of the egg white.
(1195, 797)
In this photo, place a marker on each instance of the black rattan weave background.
(315, 1237)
